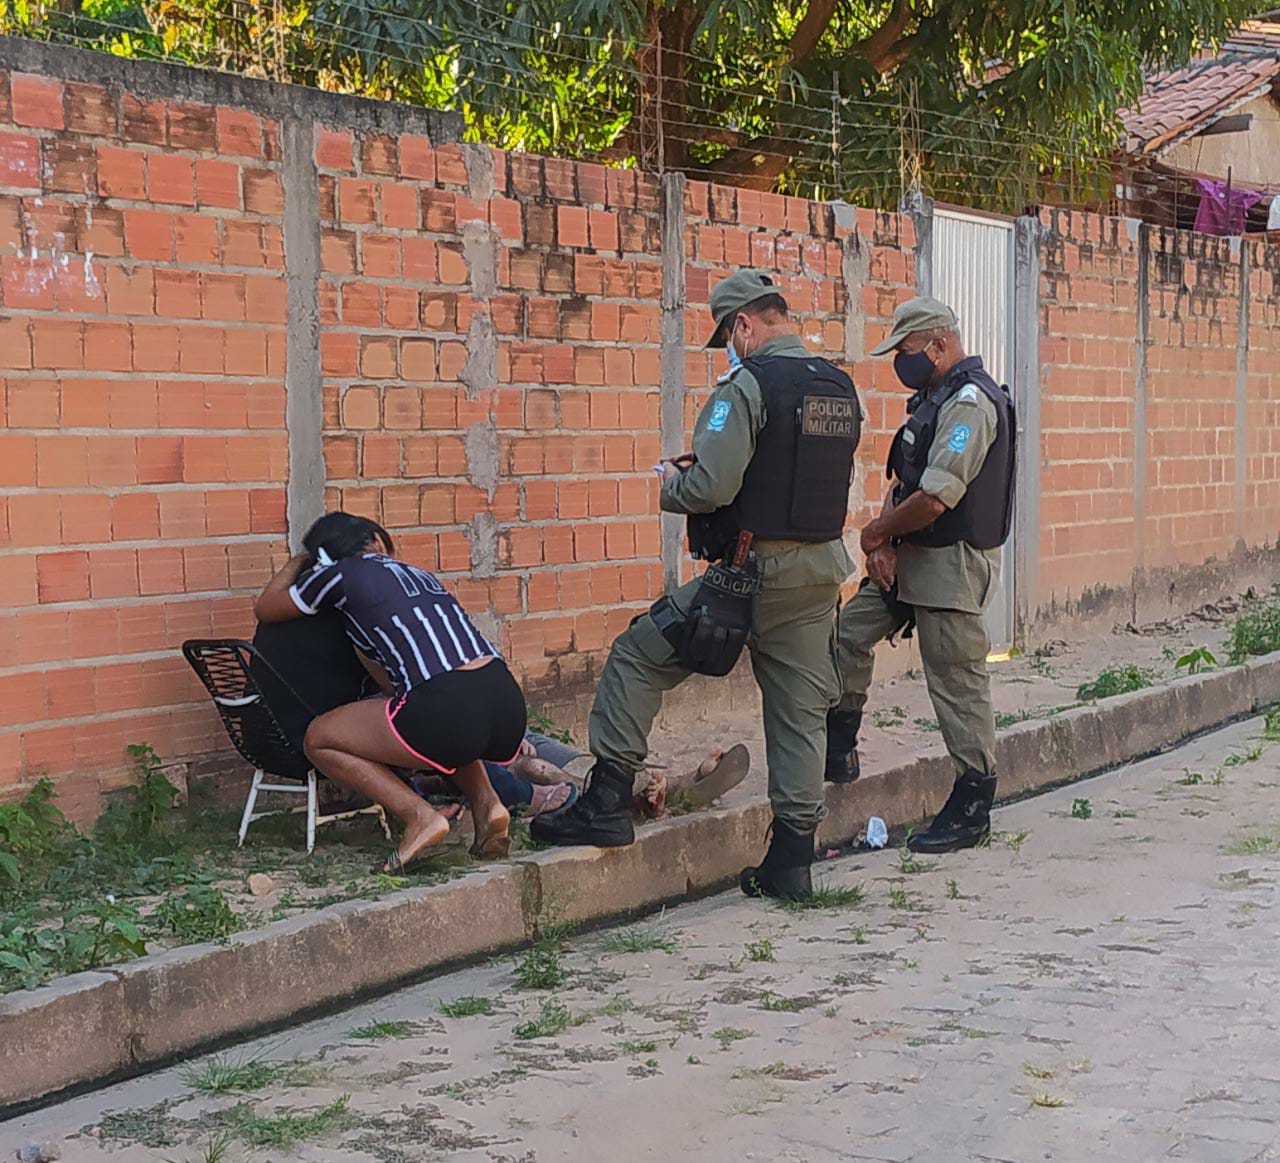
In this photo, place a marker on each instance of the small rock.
(39, 1152)
(260, 884)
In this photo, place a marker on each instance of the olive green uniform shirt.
(953, 577)
(724, 441)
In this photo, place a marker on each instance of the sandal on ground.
(494, 847)
(394, 866)
(705, 788)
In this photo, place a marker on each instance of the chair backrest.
(222, 664)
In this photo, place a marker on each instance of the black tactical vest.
(796, 487)
(984, 515)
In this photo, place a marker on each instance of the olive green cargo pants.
(792, 656)
(953, 648)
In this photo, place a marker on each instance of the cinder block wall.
(226, 305)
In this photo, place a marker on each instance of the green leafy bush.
(1116, 680)
(200, 914)
(1257, 629)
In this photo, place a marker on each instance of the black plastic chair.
(223, 665)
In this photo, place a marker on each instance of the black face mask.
(915, 370)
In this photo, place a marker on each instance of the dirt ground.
(1099, 983)
(900, 721)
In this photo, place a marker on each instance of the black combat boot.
(965, 819)
(842, 746)
(784, 871)
(601, 815)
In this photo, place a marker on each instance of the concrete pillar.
(304, 383)
(1026, 401)
(1140, 383)
(920, 208)
(1242, 387)
(672, 360)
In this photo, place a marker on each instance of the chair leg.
(382, 819)
(249, 802)
(311, 811)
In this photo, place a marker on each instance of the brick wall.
(1088, 356)
(490, 353)
(1260, 500)
(1156, 412)
(142, 455)
(225, 305)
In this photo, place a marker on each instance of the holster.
(710, 638)
(903, 612)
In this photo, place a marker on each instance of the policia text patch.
(827, 416)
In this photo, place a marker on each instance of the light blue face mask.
(734, 361)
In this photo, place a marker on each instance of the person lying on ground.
(311, 667)
(544, 788)
(455, 703)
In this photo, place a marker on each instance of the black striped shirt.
(397, 614)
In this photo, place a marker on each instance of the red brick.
(170, 178)
(263, 192)
(239, 133)
(571, 226)
(380, 255)
(192, 127)
(218, 183)
(401, 207)
(37, 101)
(439, 211)
(417, 159)
(62, 577)
(19, 161)
(143, 121)
(90, 110)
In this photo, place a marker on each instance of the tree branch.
(810, 29)
(756, 165)
(886, 48)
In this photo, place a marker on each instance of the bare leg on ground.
(354, 747)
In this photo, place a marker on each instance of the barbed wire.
(796, 141)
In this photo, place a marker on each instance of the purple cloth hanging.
(1214, 215)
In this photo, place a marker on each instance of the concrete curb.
(92, 1027)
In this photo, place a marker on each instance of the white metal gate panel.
(973, 260)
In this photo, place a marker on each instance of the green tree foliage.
(986, 101)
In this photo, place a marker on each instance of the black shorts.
(459, 717)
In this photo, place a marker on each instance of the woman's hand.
(275, 604)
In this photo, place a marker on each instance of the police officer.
(770, 471)
(933, 559)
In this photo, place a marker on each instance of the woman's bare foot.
(429, 829)
(493, 834)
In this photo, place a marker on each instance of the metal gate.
(973, 263)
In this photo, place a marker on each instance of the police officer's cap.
(922, 314)
(731, 295)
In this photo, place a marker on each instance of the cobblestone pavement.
(1101, 983)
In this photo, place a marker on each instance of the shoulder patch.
(719, 416)
(958, 441)
(969, 393)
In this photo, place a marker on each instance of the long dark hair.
(340, 535)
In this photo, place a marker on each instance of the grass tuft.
(828, 896)
(552, 1019)
(377, 1030)
(222, 1075)
(285, 1130)
(637, 939)
(466, 1007)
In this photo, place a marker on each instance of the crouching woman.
(452, 703)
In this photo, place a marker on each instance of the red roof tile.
(1176, 103)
